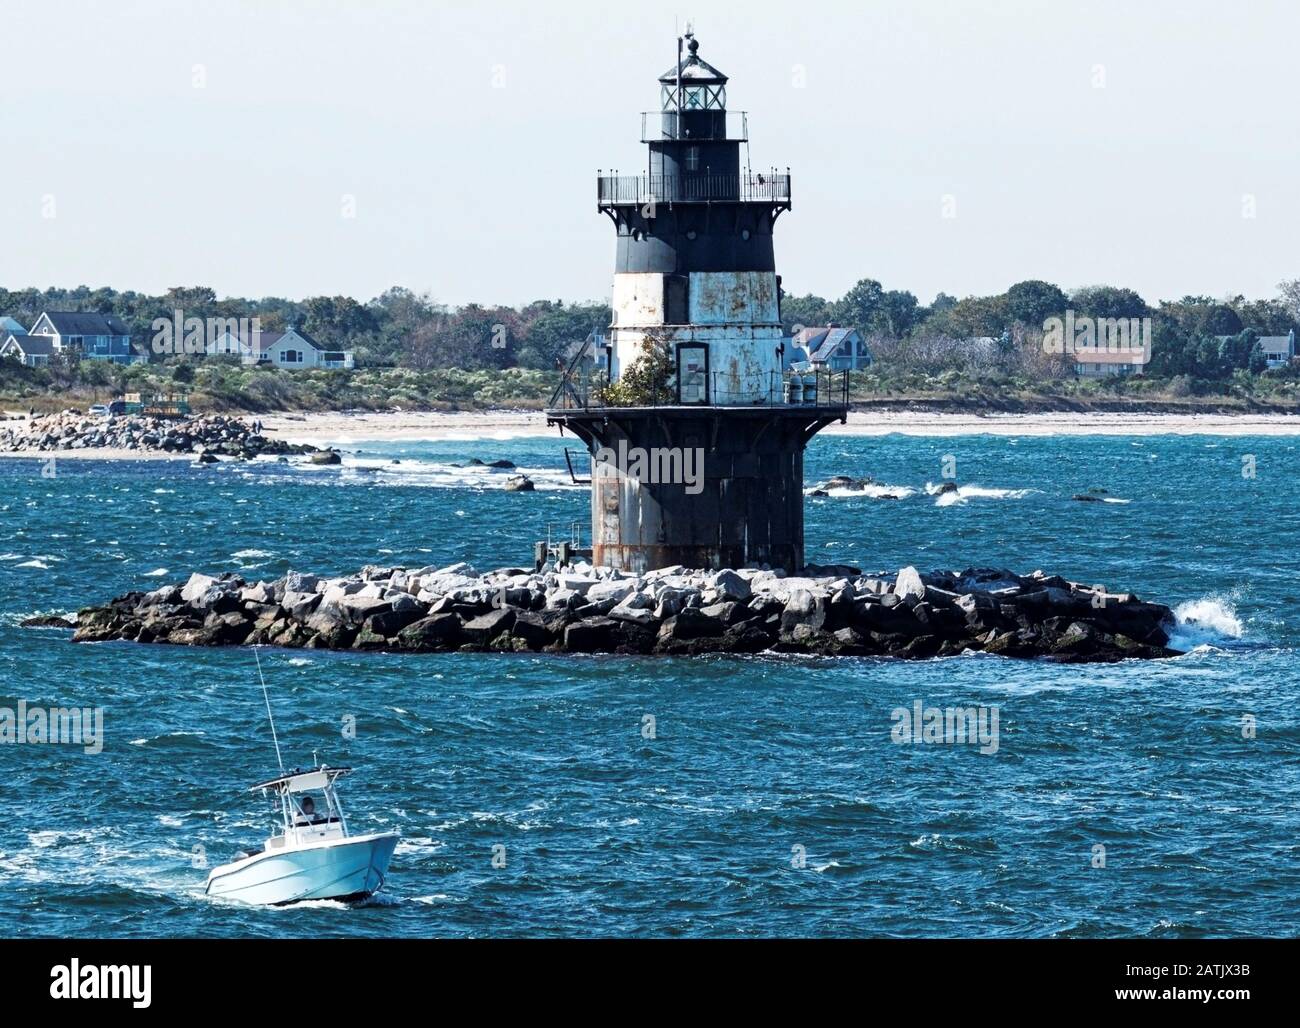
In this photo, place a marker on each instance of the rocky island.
(832, 611)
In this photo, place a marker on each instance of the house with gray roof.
(1279, 351)
(831, 348)
(292, 349)
(34, 351)
(87, 335)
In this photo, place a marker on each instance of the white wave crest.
(1209, 621)
(875, 490)
(973, 492)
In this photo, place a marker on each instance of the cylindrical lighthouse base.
(699, 487)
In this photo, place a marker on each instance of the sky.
(294, 148)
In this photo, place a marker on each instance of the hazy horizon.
(199, 144)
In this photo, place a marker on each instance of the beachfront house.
(34, 351)
(592, 351)
(831, 348)
(1279, 351)
(1101, 362)
(293, 349)
(86, 335)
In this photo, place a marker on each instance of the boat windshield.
(313, 808)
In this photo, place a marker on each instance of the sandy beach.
(340, 429)
(346, 429)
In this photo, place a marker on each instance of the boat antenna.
(275, 739)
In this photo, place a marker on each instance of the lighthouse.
(694, 419)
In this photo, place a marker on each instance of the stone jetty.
(213, 434)
(581, 609)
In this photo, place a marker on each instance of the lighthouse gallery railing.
(703, 188)
(586, 388)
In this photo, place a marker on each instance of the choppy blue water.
(756, 760)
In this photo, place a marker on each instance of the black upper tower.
(698, 207)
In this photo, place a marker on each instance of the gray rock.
(908, 585)
(730, 586)
(486, 627)
(592, 635)
(196, 587)
(436, 632)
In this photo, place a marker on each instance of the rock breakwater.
(825, 611)
(214, 434)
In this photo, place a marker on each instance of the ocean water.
(1131, 799)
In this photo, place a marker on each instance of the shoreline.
(343, 430)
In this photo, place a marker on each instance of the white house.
(832, 348)
(1100, 362)
(292, 349)
(34, 351)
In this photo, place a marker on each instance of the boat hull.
(351, 868)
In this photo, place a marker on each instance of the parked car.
(117, 408)
(99, 410)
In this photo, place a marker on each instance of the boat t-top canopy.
(298, 780)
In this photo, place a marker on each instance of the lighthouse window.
(692, 158)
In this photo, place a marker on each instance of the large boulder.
(300, 605)
(388, 624)
(533, 630)
(617, 590)
(730, 586)
(436, 632)
(196, 587)
(691, 623)
(357, 607)
(486, 627)
(908, 584)
(591, 635)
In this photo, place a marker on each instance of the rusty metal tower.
(694, 363)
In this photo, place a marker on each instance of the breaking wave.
(974, 492)
(1209, 621)
(875, 490)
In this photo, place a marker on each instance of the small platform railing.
(786, 390)
(615, 190)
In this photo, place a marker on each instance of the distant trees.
(1033, 302)
(402, 328)
(1108, 302)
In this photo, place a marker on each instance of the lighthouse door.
(692, 373)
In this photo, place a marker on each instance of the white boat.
(313, 857)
